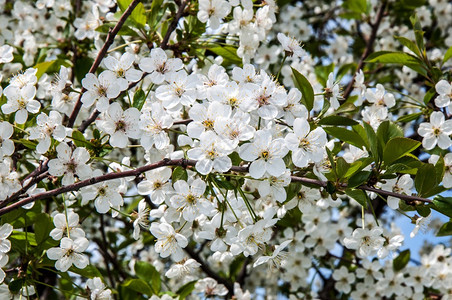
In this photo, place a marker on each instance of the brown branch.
(369, 47)
(205, 267)
(173, 25)
(110, 38)
(183, 163)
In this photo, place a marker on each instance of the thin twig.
(369, 47)
(110, 38)
(173, 25)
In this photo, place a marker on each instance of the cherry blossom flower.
(290, 45)
(105, 194)
(213, 11)
(265, 155)
(154, 124)
(306, 146)
(6, 54)
(68, 226)
(159, 66)
(142, 219)
(123, 69)
(380, 97)
(366, 241)
(97, 289)
(48, 126)
(21, 101)
(436, 132)
(156, 185)
(69, 253)
(120, 125)
(100, 89)
(70, 163)
(444, 90)
(181, 89)
(277, 257)
(332, 92)
(211, 155)
(168, 241)
(184, 268)
(401, 185)
(189, 199)
(210, 287)
(6, 145)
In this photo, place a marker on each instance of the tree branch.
(173, 25)
(110, 38)
(369, 47)
(205, 267)
(183, 163)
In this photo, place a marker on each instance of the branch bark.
(183, 163)
(173, 25)
(110, 38)
(369, 47)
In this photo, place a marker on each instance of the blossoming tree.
(224, 149)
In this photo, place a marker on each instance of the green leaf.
(398, 147)
(443, 205)
(402, 58)
(27, 143)
(79, 140)
(43, 67)
(373, 142)
(447, 55)
(179, 173)
(23, 240)
(82, 67)
(139, 15)
(138, 285)
(402, 260)
(345, 135)
(425, 179)
(228, 53)
(43, 226)
(409, 44)
(341, 167)
(337, 120)
(359, 195)
(186, 289)
(409, 118)
(358, 179)
(388, 130)
(149, 274)
(89, 271)
(445, 230)
(305, 88)
(139, 99)
(423, 210)
(429, 95)
(356, 6)
(355, 166)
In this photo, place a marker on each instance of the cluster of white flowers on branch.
(234, 142)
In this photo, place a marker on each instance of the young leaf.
(445, 230)
(398, 147)
(179, 173)
(443, 205)
(337, 120)
(373, 142)
(402, 260)
(425, 179)
(402, 58)
(359, 195)
(139, 99)
(305, 87)
(345, 135)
